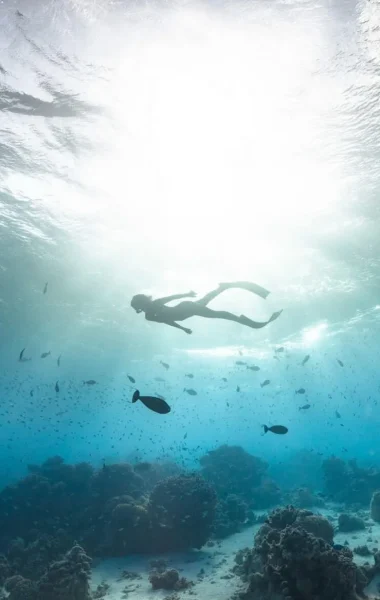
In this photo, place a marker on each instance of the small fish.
(338, 415)
(159, 379)
(31, 393)
(240, 353)
(185, 436)
(276, 358)
(254, 368)
(158, 405)
(45, 288)
(190, 391)
(131, 379)
(304, 407)
(59, 360)
(21, 356)
(165, 365)
(189, 375)
(340, 362)
(240, 363)
(264, 383)
(57, 387)
(338, 547)
(89, 382)
(224, 379)
(305, 360)
(45, 354)
(280, 349)
(238, 388)
(300, 391)
(279, 429)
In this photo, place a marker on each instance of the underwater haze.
(160, 147)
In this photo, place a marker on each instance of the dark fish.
(254, 368)
(158, 405)
(131, 379)
(159, 379)
(307, 357)
(240, 363)
(89, 382)
(57, 387)
(340, 362)
(304, 407)
(264, 383)
(238, 388)
(338, 547)
(59, 360)
(164, 365)
(338, 415)
(189, 375)
(21, 356)
(279, 429)
(31, 393)
(300, 391)
(45, 288)
(224, 379)
(281, 349)
(45, 354)
(190, 391)
(19, 14)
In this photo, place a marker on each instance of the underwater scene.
(189, 299)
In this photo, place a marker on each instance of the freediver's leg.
(246, 285)
(208, 313)
(243, 285)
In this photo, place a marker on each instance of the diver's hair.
(139, 300)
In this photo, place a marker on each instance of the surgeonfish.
(158, 405)
(279, 429)
(190, 391)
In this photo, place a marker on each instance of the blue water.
(166, 147)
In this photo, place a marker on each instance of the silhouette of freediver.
(156, 310)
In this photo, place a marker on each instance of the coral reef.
(304, 498)
(291, 563)
(233, 471)
(182, 512)
(375, 507)
(168, 580)
(109, 511)
(347, 523)
(231, 514)
(317, 525)
(349, 483)
(67, 579)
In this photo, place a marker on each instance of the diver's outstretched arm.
(171, 323)
(166, 299)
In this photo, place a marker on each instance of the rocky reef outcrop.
(348, 483)
(291, 562)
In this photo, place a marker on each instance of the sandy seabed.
(211, 568)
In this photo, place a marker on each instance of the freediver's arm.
(170, 323)
(166, 299)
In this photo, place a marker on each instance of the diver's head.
(140, 302)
